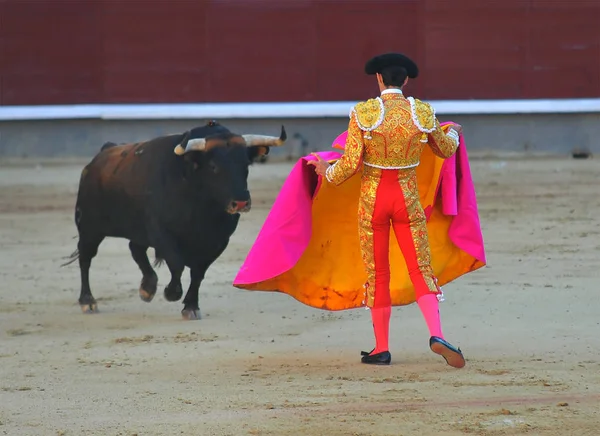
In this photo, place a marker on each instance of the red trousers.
(390, 199)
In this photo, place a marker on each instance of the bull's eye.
(213, 167)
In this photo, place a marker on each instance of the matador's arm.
(350, 162)
(443, 145)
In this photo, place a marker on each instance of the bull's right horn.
(188, 145)
(264, 140)
(195, 145)
(180, 149)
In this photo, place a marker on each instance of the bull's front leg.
(191, 308)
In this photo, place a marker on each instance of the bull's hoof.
(145, 296)
(191, 314)
(173, 292)
(148, 288)
(89, 308)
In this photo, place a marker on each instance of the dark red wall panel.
(261, 48)
(564, 50)
(348, 36)
(153, 51)
(171, 51)
(476, 57)
(49, 52)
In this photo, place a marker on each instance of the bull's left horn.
(264, 140)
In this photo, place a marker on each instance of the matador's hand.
(319, 164)
(457, 127)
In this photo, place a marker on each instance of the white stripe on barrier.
(282, 110)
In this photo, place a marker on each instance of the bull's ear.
(256, 152)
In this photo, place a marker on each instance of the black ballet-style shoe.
(383, 358)
(449, 352)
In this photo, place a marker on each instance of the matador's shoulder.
(368, 114)
(423, 115)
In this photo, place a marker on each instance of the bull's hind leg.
(173, 291)
(88, 248)
(149, 278)
(165, 248)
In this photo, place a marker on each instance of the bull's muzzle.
(239, 207)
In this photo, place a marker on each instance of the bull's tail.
(158, 259)
(72, 258)
(74, 255)
(157, 262)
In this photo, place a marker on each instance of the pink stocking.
(429, 306)
(381, 327)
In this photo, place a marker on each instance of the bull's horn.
(195, 145)
(187, 145)
(269, 141)
(180, 149)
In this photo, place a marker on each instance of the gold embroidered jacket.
(390, 132)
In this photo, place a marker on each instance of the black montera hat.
(378, 63)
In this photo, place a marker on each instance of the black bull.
(179, 194)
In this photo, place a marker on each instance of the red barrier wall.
(173, 51)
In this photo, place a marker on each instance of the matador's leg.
(374, 231)
(366, 209)
(410, 227)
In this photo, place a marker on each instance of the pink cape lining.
(287, 230)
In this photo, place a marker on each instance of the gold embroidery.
(366, 206)
(397, 141)
(442, 145)
(369, 114)
(425, 114)
(418, 228)
(350, 162)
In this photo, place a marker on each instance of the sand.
(264, 364)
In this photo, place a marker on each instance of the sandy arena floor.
(263, 364)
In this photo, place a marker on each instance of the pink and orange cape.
(309, 249)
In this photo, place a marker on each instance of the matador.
(386, 136)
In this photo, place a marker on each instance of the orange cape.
(320, 264)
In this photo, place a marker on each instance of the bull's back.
(129, 168)
(116, 186)
(118, 168)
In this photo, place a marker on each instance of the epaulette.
(423, 115)
(369, 115)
